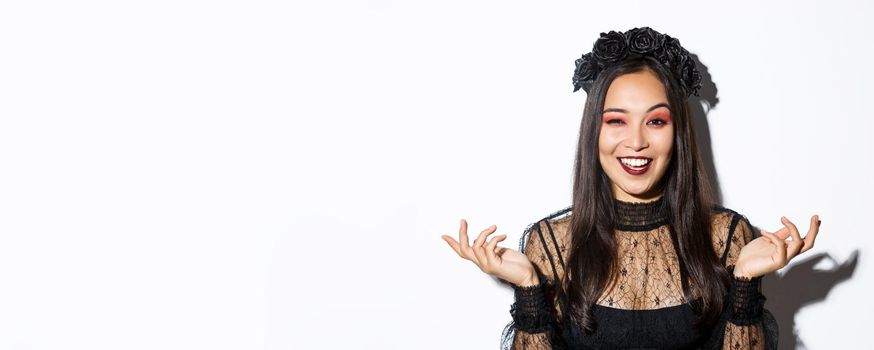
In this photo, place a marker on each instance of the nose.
(637, 139)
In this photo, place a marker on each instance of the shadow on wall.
(800, 285)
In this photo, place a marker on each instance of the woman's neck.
(640, 216)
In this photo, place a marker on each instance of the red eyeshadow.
(663, 114)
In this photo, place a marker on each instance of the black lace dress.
(646, 308)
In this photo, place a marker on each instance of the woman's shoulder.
(551, 227)
(723, 217)
(556, 220)
(729, 225)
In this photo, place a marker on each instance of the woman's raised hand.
(771, 251)
(507, 264)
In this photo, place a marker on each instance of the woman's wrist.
(740, 273)
(530, 281)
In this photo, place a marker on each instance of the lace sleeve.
(534, 324)
(745, 324)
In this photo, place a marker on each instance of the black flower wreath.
(615, 46)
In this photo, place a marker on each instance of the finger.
(477, 245)
(462, 234)
(481, 239)
(454, 245)
(478, 249)
(493, 243)
(810, 237)
(793, 247)
(783, 233)
(492, 258)
(793, 231)
(464, 242)
(779, 255)
(480, 253)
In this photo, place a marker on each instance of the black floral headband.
(613, 47)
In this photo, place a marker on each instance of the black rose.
(585, 71)
(610, 47)
(644, 40)
(690, 76)
(671, 53)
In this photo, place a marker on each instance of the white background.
(266, 175)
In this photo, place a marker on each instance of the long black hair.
(687, 194)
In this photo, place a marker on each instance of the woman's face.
(637, 135)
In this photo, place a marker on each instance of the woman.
(643, 258)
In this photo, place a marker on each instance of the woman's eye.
(658, 122)
(614, 121)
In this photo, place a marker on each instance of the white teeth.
(635, 162)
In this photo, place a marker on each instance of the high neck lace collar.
(640, 216)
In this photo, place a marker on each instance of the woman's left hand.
(771, 251)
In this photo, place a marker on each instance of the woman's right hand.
(507, 264)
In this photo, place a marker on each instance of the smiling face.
(636, 137)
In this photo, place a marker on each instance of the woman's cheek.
(611, 137)
(666, 138)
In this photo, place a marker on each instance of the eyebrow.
(620, 110)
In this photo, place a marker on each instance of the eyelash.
(663, 122)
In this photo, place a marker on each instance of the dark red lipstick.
(635, 170)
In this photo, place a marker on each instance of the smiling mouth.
(635, 165)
